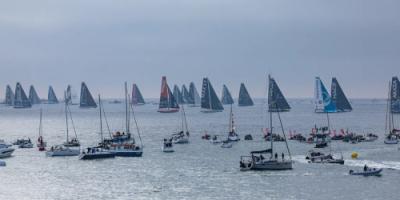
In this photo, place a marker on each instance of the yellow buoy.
(354, 155)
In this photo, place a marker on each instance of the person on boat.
(283, 156)
(276, 156)
(365, 168)
(262, 157)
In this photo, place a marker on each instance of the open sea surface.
(198, 170)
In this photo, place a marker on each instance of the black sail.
(52, 98)
(137, 97)
(244, 97)
(226, 96)
(276, 100)
(209, 99)
(86, 100)
(339, 98)
(9, 100)
(33, 96)
(20, 98)
(395, 96)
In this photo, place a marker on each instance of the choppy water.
(198, 170)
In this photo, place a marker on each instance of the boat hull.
(6, 152)
(168, 110)
(272, 166)
(128, 153)
(97, 155)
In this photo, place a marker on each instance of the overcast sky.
(107, 42)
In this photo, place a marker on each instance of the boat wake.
(383, 164)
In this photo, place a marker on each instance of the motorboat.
(367, 172)
(391, 139)
(226, 144)
(6, 150)
(26, 144)
(215, 140)
(168, 146)
(60, 150)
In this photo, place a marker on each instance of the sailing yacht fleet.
(123, 143)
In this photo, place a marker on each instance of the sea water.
(198, 170)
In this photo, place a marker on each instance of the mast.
(126, 110)
(40, 124)
(66, 118)
(101, 120)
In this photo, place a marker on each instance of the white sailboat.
(183, 136)
(393, 136)
(41, 144)
(232, 135)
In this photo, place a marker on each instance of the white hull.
(272, 165)
(181, 140)
(233, 138)
(391, 141)
(6, 152)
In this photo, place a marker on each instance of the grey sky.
(108, 42)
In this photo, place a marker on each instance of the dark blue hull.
(97, 156)
(128, 154)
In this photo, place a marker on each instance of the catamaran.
(168, 103)
(20, 98)
(33, 96)
(226, 98)
(209, 99)
(137, 97)
(392, 105)
(194, 98)
(244, 97)
(339, 99)
(86, 100)
(124, 144)
(257, 160)
(9, 100)
(41, 144)
(101, 151)
(52, 98)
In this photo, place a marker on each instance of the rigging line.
(284, 135)
(72, 122)
(137, 127)
(105, 119)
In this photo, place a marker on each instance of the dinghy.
(86, 100)
(209, 100)
(20, 98)
(268, 159)
(168, 103)
(226, 98)
(244, 97)
(226, 144)
(367, 172)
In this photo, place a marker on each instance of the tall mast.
(66, 118)
(40, 124)
(101, 120)
(126, 110)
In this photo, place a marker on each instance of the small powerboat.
(5, 149)
(391, 139)
(367, 172)
(215, 140)
(168, 147)
(26, 144)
